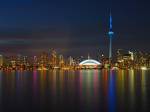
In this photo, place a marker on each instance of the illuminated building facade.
(61, 61)
(1, 60)
(53, 58)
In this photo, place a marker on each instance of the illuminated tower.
(110, 34)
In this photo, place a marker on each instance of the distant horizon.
(94, 56)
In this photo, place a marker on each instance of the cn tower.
(110, 34)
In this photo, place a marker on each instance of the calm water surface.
(75, 91)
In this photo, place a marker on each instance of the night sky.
(72, 27)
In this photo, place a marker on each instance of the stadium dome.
(89, 63)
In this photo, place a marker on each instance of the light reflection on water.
(84, 90)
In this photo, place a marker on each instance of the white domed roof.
(90, 62)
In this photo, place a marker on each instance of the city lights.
(53, 60)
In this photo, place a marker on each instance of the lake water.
(75, 91)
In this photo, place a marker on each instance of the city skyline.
(72, 28)
(74, 56)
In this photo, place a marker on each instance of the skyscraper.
(1, 60)
(110, 34)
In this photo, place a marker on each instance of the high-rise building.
(71, 61)
(43, 59)
(61, 61)
(1, 60)
(53, 58)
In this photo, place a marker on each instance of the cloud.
(14, 42)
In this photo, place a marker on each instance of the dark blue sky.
(72, 27)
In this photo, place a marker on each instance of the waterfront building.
(89, 64)
(61, 61)
(43, 60)
(1, 60)
(53, 59)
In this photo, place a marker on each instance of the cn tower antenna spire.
(110, 34)
(110, 22)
